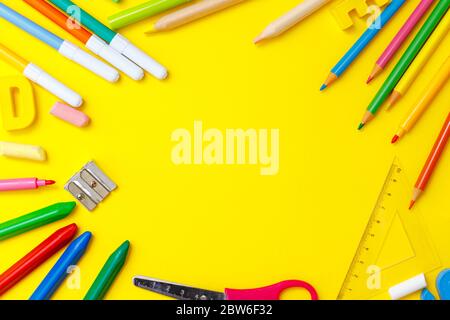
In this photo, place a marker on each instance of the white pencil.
(290, 19)
(191, 13)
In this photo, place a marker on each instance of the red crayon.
(36, 257)
(432, 160)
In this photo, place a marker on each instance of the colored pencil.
(114, 39)
(24, 184)
(64, 47)
(422, 58)
(36, 257)
(35, 219)
(400, 38)
(431, 162)
(142, 11)
(191, 13)
(40, 77)
(425, 100)
(108, 273)
(290, 19)
(400, 68)
(363, 42)
(58, 273)
(90, 41)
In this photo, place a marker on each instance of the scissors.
(182, 292)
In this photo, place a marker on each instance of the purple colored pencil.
(400, 37)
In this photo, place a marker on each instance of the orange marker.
(91, 41)
(431, 163)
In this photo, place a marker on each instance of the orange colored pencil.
(432, 161)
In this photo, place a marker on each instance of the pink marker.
(400, 37)
(23, 184)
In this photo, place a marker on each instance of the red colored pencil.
(432, 161)
(36, 257)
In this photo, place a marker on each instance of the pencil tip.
(369, 79)
(395, 139)
(323, 87)
(411, 204)
(49, 182)
(361, 125)
(258, 39)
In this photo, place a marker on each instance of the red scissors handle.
(272, 292)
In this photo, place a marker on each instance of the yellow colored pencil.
(290, 19)
(191, 13)
(425, 100)
(421, 60)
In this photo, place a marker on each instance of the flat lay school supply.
(91, 41)
(400, 38)
(341, 10)
(407, 287)
(36, 257)
(17, 105)
(140, 12)
(432, 160)
(108, 273)
(395, 246)
(35, 219)
(182, 292)
(114, 39)
(24, 184)
(64, 47)
(22, 151)
(290, 19)
(90, 185)
(59, 272)
(400, 68)
(40, 77)
(191, 13)
(70, 115)
(362, 42)
(442, 287)
(421, 59)
(426, 98)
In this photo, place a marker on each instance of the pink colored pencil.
(400, 37)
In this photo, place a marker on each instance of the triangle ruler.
(395, 245)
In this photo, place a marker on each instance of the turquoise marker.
(115, 40)
(363, 41)
(58, 273)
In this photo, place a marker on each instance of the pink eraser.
(69, 114)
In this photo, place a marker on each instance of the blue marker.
(58, 273)
(363, 41)
(64, 47)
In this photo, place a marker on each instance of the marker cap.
(102, 49)
(40, 77)
(91, 63)
(139, 57)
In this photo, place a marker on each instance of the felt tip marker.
(64, 47)
(24, 184)
(90, 41)
(114, 39)
(40, 77)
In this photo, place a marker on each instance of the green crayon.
(35, 219)
(108, 273)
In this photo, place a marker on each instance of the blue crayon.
(58, 273)
(363, 41)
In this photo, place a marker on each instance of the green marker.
(108, 273)
(142, 11)
(35, 219)
(407, 58)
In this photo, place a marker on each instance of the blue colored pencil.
(363, 41)
(58, 273)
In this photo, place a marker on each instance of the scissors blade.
(175, 290)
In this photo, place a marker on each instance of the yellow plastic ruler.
(394, 247)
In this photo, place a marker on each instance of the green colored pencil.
(35, 219)
(108, 273)
(405, 61)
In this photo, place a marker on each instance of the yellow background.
(224, 226)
